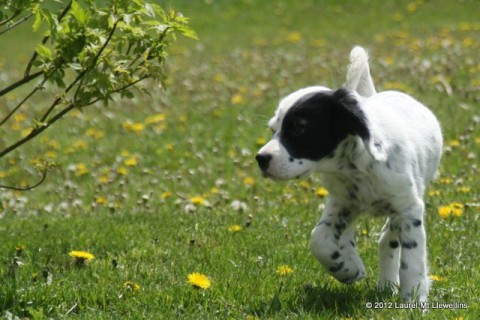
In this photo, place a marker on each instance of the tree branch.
(44, 175)
(17, 23)
(20, 82)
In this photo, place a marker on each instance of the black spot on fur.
(335, 255)
(403, 265)
(337, 267)
(316, 124)
(417, 223)
(291, 159)
(394, 244)
(409, 244)
(352, 244)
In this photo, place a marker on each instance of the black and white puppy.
(376, 153)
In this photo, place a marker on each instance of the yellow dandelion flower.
(477, 139)
(445, 181)
(51, 154)
(463, 189)
(412, 7)
(199, 280)
(437, 278)
(260, 141)
(100, 200)
(138, 127)
(170, 146)
(197, 200)
(122, 171)
(284, 270)
(444, 212)
(132, 286)
(294, 37)
(103, 179)
(434, 193)
(155, 118)
(19, 249)
(249, 181)
(81, 169)
(321, 192)
(235, 228)
(131, 161)
(457, 209)
(453, 143)
(81, 255)
(19, 117)
(94, 133)
(214, 190)
(237, 99)
(166, 195)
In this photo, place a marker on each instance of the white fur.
(385, 176)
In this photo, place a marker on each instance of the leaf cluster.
(90, 51)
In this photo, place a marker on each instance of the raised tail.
(358, 75)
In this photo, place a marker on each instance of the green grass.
(142, 224)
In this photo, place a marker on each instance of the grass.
(164, 186)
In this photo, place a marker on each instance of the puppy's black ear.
(352, 117)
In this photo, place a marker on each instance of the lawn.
(166, 185)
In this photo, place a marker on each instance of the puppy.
(376, 153)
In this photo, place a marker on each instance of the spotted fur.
(376, 153)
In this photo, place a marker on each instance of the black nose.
(263, 160)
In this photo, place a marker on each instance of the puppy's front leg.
(333, 245)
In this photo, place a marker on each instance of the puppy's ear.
(356, 123)
(351, 117)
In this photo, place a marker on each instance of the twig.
(16, 24)
(44, 175)
(20, 82)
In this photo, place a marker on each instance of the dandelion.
(122, 171)
(155, 118)
(19, 249)
(434, 193)
(237, 99)
(249, 181)
(437, 278)
(197, 200)
(81, 257)
(166, 195)
(260, 141)
(294, 37)
(453, 209)
(453, 143)
(100, 200)
(463, 189)
(132, 286)
(81, 169)
(199, 280)
(284, 270)
(131, 161)
(321, 192)
(234, 228)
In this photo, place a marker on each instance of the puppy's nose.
(263, 160)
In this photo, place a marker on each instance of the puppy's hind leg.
(358, 75)
(389, 258)
(333, 245)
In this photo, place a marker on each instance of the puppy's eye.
(298, 128)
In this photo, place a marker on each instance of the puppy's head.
(307, 127)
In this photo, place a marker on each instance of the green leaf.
(79, 14)
(44, 52)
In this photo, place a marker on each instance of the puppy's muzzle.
(263, 160)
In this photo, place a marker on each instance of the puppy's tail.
(358, 75)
